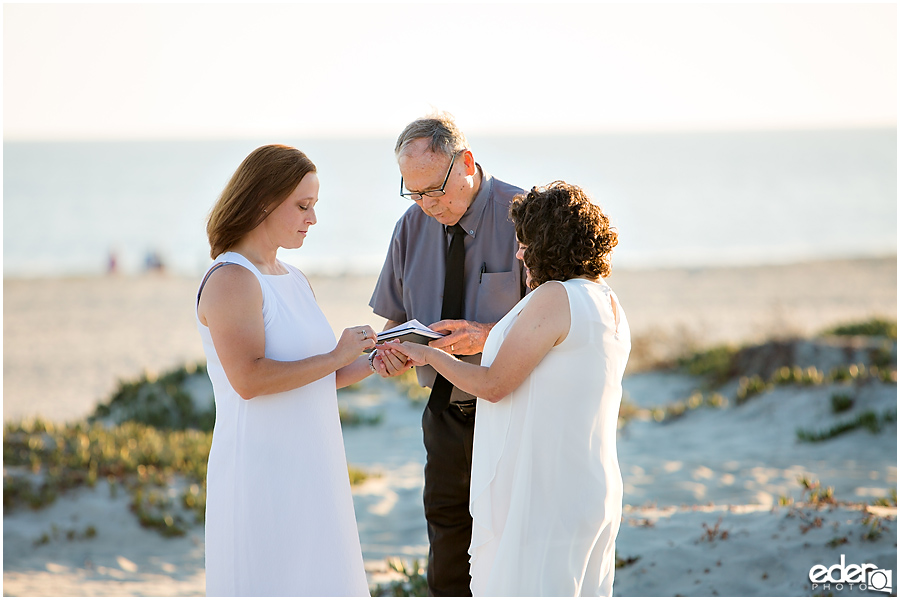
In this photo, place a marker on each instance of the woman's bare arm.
(354, 372)
(542, 324)
(231, 306)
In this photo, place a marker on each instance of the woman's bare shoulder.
(546, 319)
(550, 294)
(549, 301)
(230, 278)
(229, 285)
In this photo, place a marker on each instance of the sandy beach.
(713, 502)
(68, 342)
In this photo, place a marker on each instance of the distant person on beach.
(112, 263)
(279, 512)
(153, 262)
(546, 487)
(452, 265)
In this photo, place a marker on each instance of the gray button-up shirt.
(411, 284)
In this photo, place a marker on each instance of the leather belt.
(466, 407)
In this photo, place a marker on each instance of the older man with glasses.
(451, 264)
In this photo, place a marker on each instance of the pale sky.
(117, 71)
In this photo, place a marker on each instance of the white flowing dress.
(279, 511)
(546, 491)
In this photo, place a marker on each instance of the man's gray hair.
(440, 128)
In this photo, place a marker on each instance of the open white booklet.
(411, 331)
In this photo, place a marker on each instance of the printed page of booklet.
(411, 331)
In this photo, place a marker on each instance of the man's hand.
(464, 337)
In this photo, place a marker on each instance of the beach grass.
(154, 432)
(181, 399)
(869, 420)
(147, 439)
(887, 501)
(715, 364)
(410, 581)
(754, 385)
(841, 403)
(880, 327)
(718, 365)
(43, 460)
(163, 402)
(622, 562)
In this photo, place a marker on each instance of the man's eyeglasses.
(416, 196)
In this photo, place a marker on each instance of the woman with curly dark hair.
(546, 491)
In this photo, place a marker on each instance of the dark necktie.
(452, 308)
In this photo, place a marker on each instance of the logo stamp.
(859, 577)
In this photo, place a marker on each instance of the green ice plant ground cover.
(151, 435)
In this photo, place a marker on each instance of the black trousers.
(448, 471)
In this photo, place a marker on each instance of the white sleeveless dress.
(279, 511)
(546, 492)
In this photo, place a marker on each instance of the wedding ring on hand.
(364, 334)
(451, 347)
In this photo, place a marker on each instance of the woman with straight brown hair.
(279, 513)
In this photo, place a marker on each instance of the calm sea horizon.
(677, 199)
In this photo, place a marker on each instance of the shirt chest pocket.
(497, 294)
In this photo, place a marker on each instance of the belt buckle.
(469, 406)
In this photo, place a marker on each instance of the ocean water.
(676, 199)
